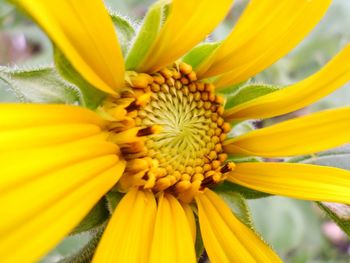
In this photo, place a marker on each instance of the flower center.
(171, 134)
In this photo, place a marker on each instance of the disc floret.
(170, 129)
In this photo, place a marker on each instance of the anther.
(228, 167)
(139, 102)
(149, 130)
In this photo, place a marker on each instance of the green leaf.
(125, 30)
(85, 254)
(247, 193)
(91, 97)
(248, 92)
(147, 34)
(96, 217)
(40, 85)
(200, 53)
(238, 205)
(338, 157)
(113, 198)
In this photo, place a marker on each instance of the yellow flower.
(159, 136)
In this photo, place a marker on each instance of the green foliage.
(40, 85)
(247, 193)
(147, 34)
(238, 205)
(246, 93)
(69, 246)
(113, 198)
(86, 252)
(125, 30)
(91, 97)
(200, 53)
(95, 218)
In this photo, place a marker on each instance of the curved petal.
(172, 241)
(226, 239)
(303, 181)
(191, 220)
(14, 116)
(305, 135)
(52, 173)
(189, 22)
(266, 31)
(85, 34)
(129, 233)
(40, 232)
(47, 137)
(332, 76)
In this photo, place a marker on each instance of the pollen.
(170, 130)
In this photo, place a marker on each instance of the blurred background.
(298, 230)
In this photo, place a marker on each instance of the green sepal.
(96, 217)
(125, 30)
(244, 159)
(200, 54)
(238, 205)
(247, 193)
(228, 90)
(246, 93)
(147, 34)
(199, 245)
(240, 128)
(85, 254)
(38, 85)
(338, 157)
(91, 97)
(113, 198)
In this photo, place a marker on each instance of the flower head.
(159, 137)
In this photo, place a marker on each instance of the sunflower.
(160, 137)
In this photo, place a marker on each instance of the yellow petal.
(37, 161)
(85, 34)
(189, 22)
(266, 31)
(13, 116)
(45, 135)
(191, 220)
(43, 138)
(226, 239)
(45, 189)
(332, 76)
(172, 240)
(39, 233)
(305, 135)
(129, 233)
(304, 181)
